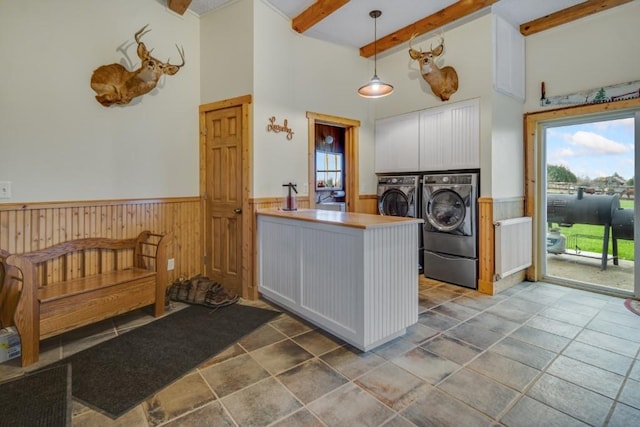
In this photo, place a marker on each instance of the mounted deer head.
(443, 81)
(114, 84)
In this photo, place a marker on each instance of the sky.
(593, 150)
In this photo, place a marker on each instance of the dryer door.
(445, 210)
(395, 202)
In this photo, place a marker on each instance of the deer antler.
(414, 54)
(141, 33)
(181, 52)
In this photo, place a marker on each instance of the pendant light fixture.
(376, 88)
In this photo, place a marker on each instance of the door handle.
(237, 211)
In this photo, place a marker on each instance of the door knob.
(237, 211)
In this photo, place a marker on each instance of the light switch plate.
(5, 189)
(170, 264)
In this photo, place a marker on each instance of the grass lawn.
(588, 238)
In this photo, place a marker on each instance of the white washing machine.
(400, 196)
(450, 235)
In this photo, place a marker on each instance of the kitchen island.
(353, 275)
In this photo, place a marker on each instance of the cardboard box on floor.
(9, 344)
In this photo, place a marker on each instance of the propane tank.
(556, 241)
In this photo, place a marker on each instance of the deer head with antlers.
(443, 81)
(114, 84)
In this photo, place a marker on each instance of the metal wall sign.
(617, 92)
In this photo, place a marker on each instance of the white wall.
(56, 141)
(507, 148)
(592, 52)
(295, 74)
(227, 52)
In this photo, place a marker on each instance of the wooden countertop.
(345, 219)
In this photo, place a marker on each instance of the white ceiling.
(352, 26)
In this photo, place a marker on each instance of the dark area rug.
(115, 376)
(39, 399)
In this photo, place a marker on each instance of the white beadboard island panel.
(350, 274)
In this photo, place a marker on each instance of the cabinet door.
(397, 144)
(464, 144)
(435, 139)
(508, 59)
(450, 137)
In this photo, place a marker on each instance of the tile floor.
(535, 355)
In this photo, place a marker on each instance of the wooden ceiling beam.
(316, 13)
(179, 6)
(445, 16)
(569, 14)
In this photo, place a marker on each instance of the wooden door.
(223, 196)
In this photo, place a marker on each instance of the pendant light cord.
(375, 45)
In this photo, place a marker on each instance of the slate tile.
(426, 365)
(540, 338)
(531, 413)
(504, 370)
(440, 409)
(599, 357)
(261, 403)
(529, 354)
(212, 415)
(352, 362)
(178, 398)
(624, 416)
(393, 386)
(452, 349)
(281, 356)
(478, 336)
(350, 406)
(310, 380)
(234, 374)
(578, 402)
(608, 342)
(631, 394)
(587, 376)
(478, 391)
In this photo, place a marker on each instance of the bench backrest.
(85, 257)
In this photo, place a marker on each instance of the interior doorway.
(590, 199)
(225, 184)
(339, 161)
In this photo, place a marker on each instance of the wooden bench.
(79, 282)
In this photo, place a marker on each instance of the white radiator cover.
(513, 241)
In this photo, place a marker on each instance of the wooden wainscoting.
(33, 226)
(368, 203)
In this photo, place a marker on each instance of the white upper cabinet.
(450, 137)
(508, 59)
(440, 138)
(397, 144)
(435, 139)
